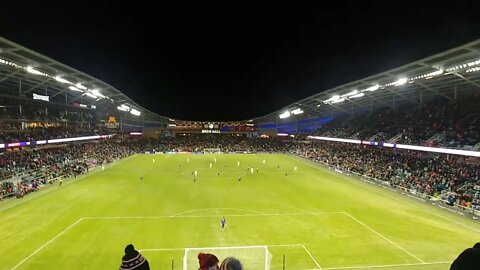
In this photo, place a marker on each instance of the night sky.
(236, 62)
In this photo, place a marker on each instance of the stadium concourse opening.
(380, 173)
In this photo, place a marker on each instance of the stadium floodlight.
(284, 115)
(31, 70)
(472, 69)
(371, 88)
(73, 88)
(297, 111)
(400, 81)
(357, 95)
(338, 100)
(120, 108)
(90, 95)
(97, 93)
(332, 99)
(80, 86)
(352, 93)
(135, 112)
(62, 80)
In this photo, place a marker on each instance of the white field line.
(385, 238)
(207, 209)
(403, 201)
(208, 216)
(220, 248)
(310, 254)
(383, 266)
(47, 243)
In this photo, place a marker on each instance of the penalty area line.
(219, 248)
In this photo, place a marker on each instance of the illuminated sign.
(41, 97)
(210, 131)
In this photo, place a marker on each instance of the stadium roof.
(431, 76)
(23, 71)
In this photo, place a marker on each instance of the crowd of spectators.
(450, 178)
(27, 170)
(14, 132)
(454, 124)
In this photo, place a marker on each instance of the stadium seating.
(453, 124)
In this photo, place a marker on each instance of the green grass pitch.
(315, 217)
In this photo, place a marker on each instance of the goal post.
(212, 151)
(251, 257)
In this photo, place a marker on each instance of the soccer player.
(238, 163)
(141, 177)
(194, 180)
(103, 167)
(153, 160)
(257, 170)
(210, 165)
(60, 182)
(188, 160)
(218, 173)
(222, 224)
(278, 167)
(295, 168)
(263, 162)
(239, 178)
(286, 174)
(195, 173)
(215, 160)
(251, 170)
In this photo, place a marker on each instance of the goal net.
(212, 151)
(251, 257)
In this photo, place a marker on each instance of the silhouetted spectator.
(133, 260)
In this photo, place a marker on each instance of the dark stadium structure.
(66, 96)
(414, 130)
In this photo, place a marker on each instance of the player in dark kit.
(141, 177)
(222, 223)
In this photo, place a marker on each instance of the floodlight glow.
(371, 88)
(400, 81)
(297, 111)
(353, 93)
(282, 134)
(120, 108)
(73, 88)
(135, 112)
(338, 101)
(358, 95)
(33, 71)
(91, 95)
(334, 98)
(62, 80)
(472, 69)
(284, 115)
(97, 93)
(80, 86)
(8, 63)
